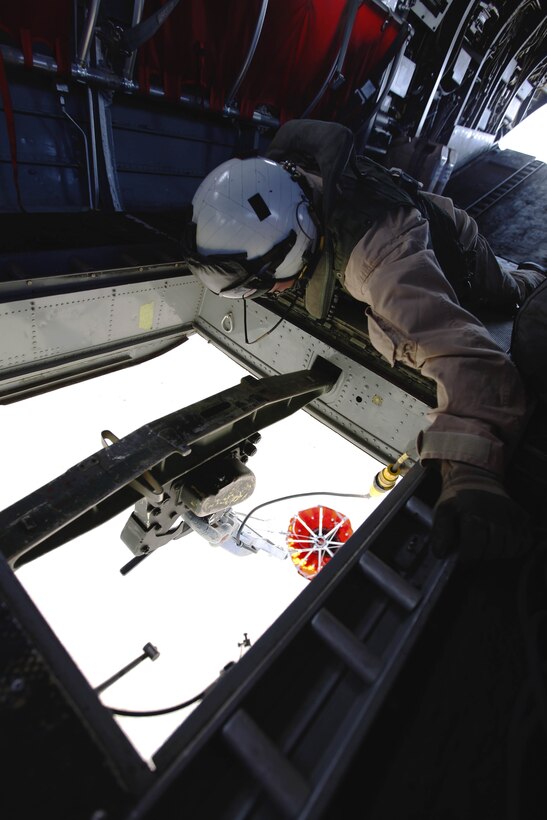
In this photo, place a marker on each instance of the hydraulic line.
(289, 498)
(386, 479)
(382, 482)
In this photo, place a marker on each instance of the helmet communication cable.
(271, 330)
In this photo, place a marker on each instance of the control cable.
(296, 293)
(289, 498)
(155, 712)
(168, 709)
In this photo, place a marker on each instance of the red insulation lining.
(202, 46)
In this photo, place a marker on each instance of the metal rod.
(352, 8)
(250, 54)
(149, 651)
(85, 43)
(130, 62)
(104, 133)
(448, 55)
(94, 158)
(74, 22)
(103, 79)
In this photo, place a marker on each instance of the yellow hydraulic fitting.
(386, 479)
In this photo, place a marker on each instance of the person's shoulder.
(443, 202)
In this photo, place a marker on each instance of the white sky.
(529, 136)
(191, 600)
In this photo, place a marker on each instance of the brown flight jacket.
(414, 317)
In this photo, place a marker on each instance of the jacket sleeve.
(414, 318)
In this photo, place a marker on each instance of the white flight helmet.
(253, 227)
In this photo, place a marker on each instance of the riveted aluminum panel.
(162, 157)
(16, 333)
(153, 306)
(49, 326)
(364, 407)
(58, 371)
(50, 340)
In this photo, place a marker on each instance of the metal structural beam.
(97, 488)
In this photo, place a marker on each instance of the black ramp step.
(344, 643)
(389, 581)
(283, 783)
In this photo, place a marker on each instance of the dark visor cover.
(224, 273)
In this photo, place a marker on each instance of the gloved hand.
(475, 517)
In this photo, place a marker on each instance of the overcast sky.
(191, 600)
(529, 136)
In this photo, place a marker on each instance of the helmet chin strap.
(300, 279)
(311, 256)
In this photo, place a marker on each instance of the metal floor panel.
(508, 191)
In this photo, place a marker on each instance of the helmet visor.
(233, 276)
(247, 291)
(218, 274)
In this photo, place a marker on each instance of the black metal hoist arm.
(97, 488)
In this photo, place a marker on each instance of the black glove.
(475, 517)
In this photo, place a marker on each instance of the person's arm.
(496, 283)
(414, 318)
